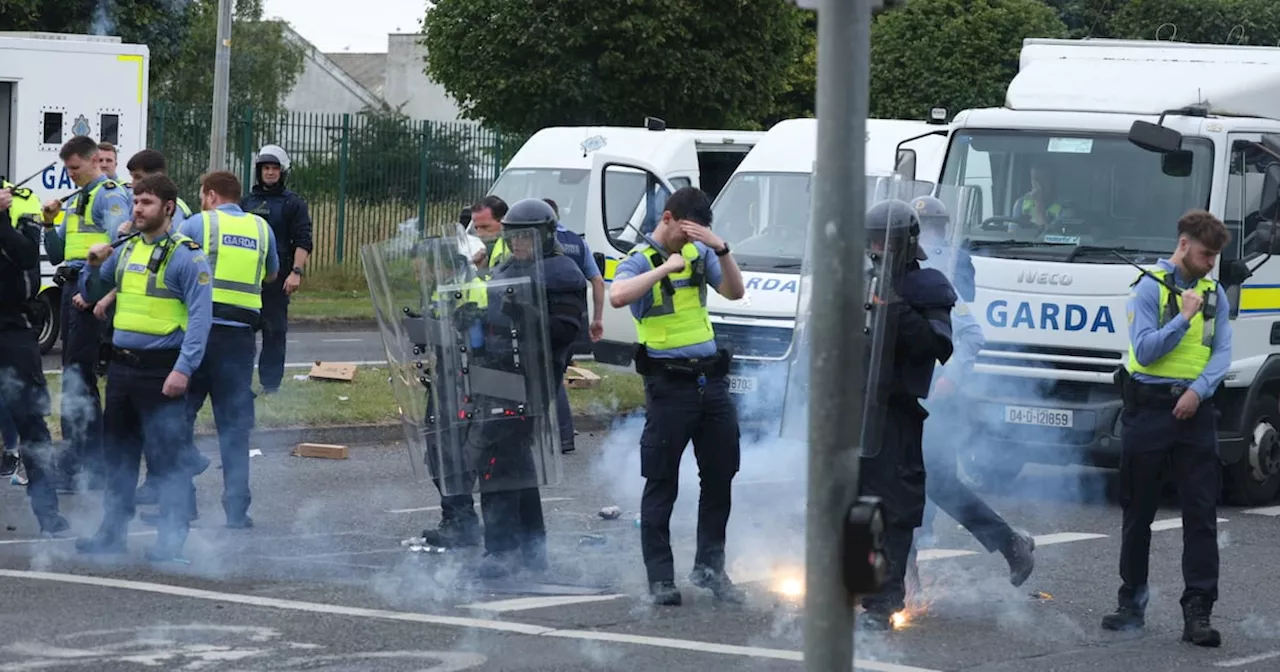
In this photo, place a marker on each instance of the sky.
(358, 26)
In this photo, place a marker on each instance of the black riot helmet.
(531, 216)
(895, 223)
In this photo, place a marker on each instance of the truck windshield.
(765, 217)
(1074, 196)
(568, 188)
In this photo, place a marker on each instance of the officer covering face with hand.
(911, 338)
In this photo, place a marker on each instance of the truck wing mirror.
(1235, 273)
(1154, 137)
(1270, 194)
(1177, 163)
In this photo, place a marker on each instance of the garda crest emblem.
(81, 127)
(593, 143)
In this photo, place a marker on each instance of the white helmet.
(272, 154)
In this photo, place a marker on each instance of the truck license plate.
(741, 384)
(1043, 417)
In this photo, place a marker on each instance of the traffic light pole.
(221, 90)
(837, 241)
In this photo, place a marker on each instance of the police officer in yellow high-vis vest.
(92, 216)
(242, 253)
(686, 388)
(162, 319)
(1179, 353)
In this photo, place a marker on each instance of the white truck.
(1119, 138)
(610, 182)
(763, 214)
(55, 86)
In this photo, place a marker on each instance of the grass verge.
(369, 400)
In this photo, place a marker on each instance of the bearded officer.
(917, 304)
(24, 395)
(162, 321)
(1179, 354)
(93, 215)
(242, 253)
(686, 388)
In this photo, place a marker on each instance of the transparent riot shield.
(395, 272)
(881, 260)
(946, 216)
(491, 425)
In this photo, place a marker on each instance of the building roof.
(369, 70)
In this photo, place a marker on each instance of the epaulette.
(109, 184)
(191, 244)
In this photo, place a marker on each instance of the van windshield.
(567, 187)
(1075, 196)
(764, 217)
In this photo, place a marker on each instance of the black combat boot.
(1018, 553)
(451, 533)
(718, 583)
(1196, 628)
(1126, 617)
(665, 594)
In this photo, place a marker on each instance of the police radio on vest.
(1049, 317)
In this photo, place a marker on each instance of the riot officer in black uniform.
(22, 384)
(916, 306)
(514, 530)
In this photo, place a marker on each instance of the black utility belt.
(715, 366)
(244, 316)
(146, 359)
(1158, 395)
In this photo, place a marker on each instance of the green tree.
(956, 54)
(265, 64)
(798, 98)
(1088, 18)
(1253, 22)
(526, 65)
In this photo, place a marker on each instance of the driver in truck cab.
(1040, 206)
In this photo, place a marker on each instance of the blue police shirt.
(966, 332)
(111, 208)
(1152, 341)
(187, 275)
(637, 264)
(193, 228)
(576, 248)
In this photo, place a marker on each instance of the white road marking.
(444, 621)
(46, 540)
(525, 603)
(1264, 511)
(1172, 524)
(437, 508)
(1237, 662)
(342, 340)
(1065, 538)
(926, 554)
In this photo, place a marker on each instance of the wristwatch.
(721, 253)
(298, 270)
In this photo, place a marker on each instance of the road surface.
(324, 583)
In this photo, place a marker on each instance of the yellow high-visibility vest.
(681, 319)
(237, 247)
(82, 232)
(24, 204)
(1187, 359)
(143, 304)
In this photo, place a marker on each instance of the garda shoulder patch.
(203, 278)
(962, 309)
(116, 210)
(1129, 315)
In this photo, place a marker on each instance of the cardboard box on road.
(324, 450)
(579, 378)
(333, 371)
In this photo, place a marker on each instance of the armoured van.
(763, 213)
(610, 182)
(1118, 139)
(53, 87)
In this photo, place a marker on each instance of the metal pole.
(221, 90)
(837, 314)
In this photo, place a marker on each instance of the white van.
(763, 213)
(606, 180)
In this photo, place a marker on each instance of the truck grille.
(1049, 357)
(753, 341)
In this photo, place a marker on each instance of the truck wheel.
(981, 472)
(1255, 479)
(52, 326)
